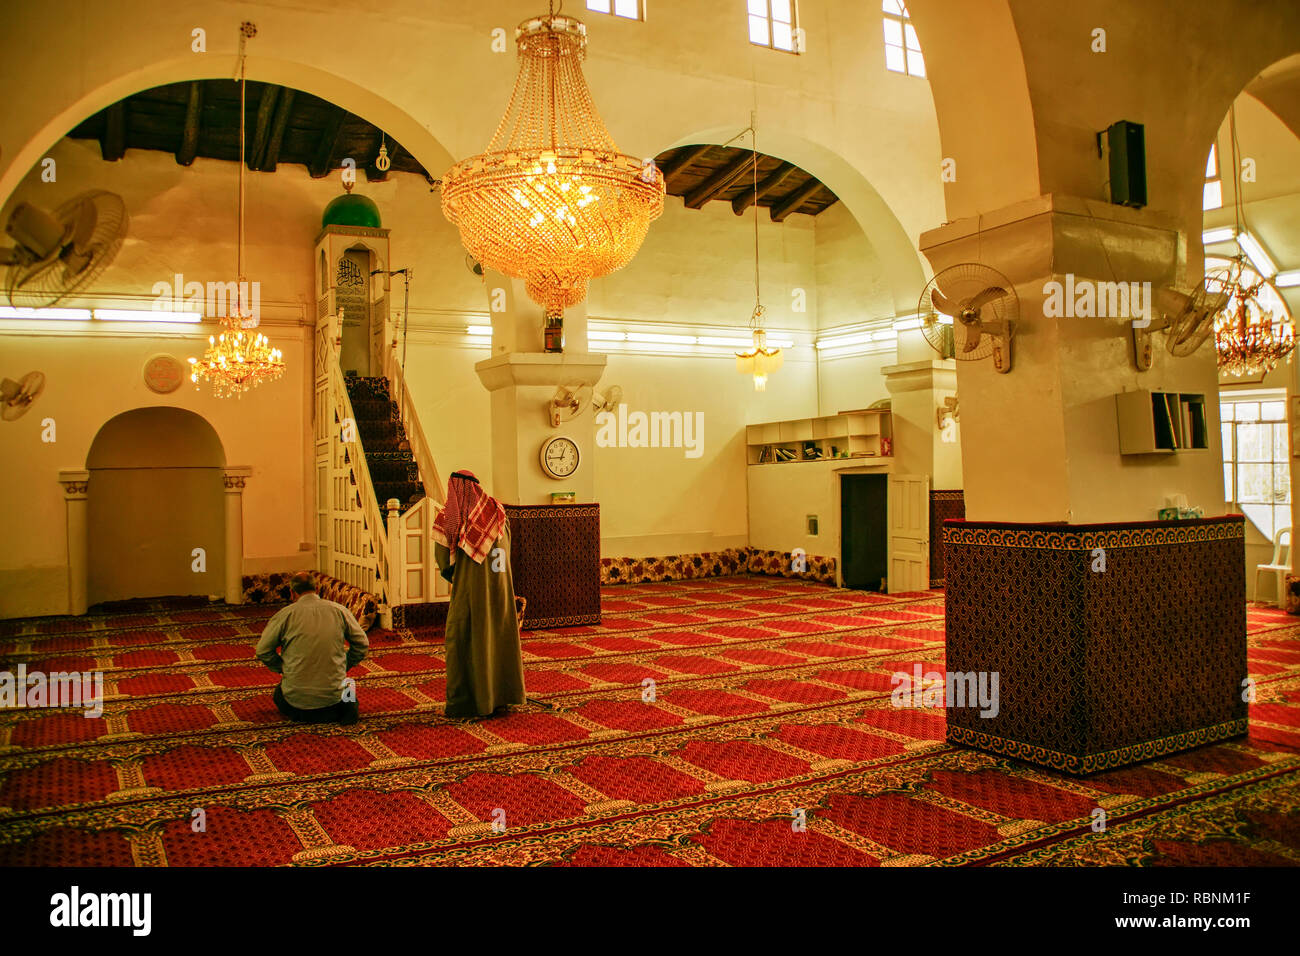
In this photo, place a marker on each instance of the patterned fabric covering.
(554, 559)
(783, 564)
(1111, 643)
(944, 506)
(770, 695)
(712, 564)
(274, 589)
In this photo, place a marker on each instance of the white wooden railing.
(352, 540)
(359, 539)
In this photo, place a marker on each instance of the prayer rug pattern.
(721, 721)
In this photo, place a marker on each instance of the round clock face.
(560, 457)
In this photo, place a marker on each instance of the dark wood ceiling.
(282, 125)
(702, 174)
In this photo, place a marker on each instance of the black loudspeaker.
(1127, 150)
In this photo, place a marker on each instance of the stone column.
(76, 485)
(522, 379)
(1041, 442)
(234, 478)
(917, 391)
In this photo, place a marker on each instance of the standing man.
(485, 664)
(318, 643)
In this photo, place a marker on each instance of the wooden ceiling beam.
(271, 155)
(189, 147)
(684, 158)
(112, 141)
(720, 180)
(322, 159)
(796, 199)
(262, 131)
(765, 186)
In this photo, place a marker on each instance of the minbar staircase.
(392, 465)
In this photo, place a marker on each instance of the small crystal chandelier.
(236, 360)
(552, 201)
(1249, 337)
(759, 360)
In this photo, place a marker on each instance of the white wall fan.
(59, 253)
(1186, 318)
(969, 312)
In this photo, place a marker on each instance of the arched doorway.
(155, 522)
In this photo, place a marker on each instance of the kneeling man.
(318, 643)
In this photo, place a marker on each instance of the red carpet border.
(766, 738)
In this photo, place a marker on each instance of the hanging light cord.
(758, 298)
(244, 34)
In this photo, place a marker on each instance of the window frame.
(797, 36)
(903, 21)
(1214, 179)
(612, 11)
(1279, 510)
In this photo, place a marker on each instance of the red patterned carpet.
(771, 696)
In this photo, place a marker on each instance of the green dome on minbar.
(350, 210)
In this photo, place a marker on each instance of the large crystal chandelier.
(552, 201)
(236, 360)
(1254, 331)
(1251, 334)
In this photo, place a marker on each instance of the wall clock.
(560, 457)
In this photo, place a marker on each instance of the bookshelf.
(1159, 423)
(865, 433)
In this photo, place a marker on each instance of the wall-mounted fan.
(568, 402)
(1186, 318)
(608, 400)
(949, 409)
(58, 253)
(969, 311)
(17, 397)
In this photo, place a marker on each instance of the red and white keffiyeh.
(470, 521)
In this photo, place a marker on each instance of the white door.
(909, 533)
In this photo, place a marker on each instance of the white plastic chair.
(1279, 565)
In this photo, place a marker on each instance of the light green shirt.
(319, 642)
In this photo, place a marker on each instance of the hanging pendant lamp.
(236, 360)
(760, 360)
(552, 201)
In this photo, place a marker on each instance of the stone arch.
(904, 268)
(986, 117)
(155, 496)
(336, 89)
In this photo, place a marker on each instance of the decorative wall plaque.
(163, 374)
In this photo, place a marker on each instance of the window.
(1256, 466)
(628, 9)
(772, 24)
(1213, 185)
(902, 48)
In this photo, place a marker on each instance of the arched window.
(902, 48)
(1213, 198)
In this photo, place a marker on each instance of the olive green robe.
(485, 667)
